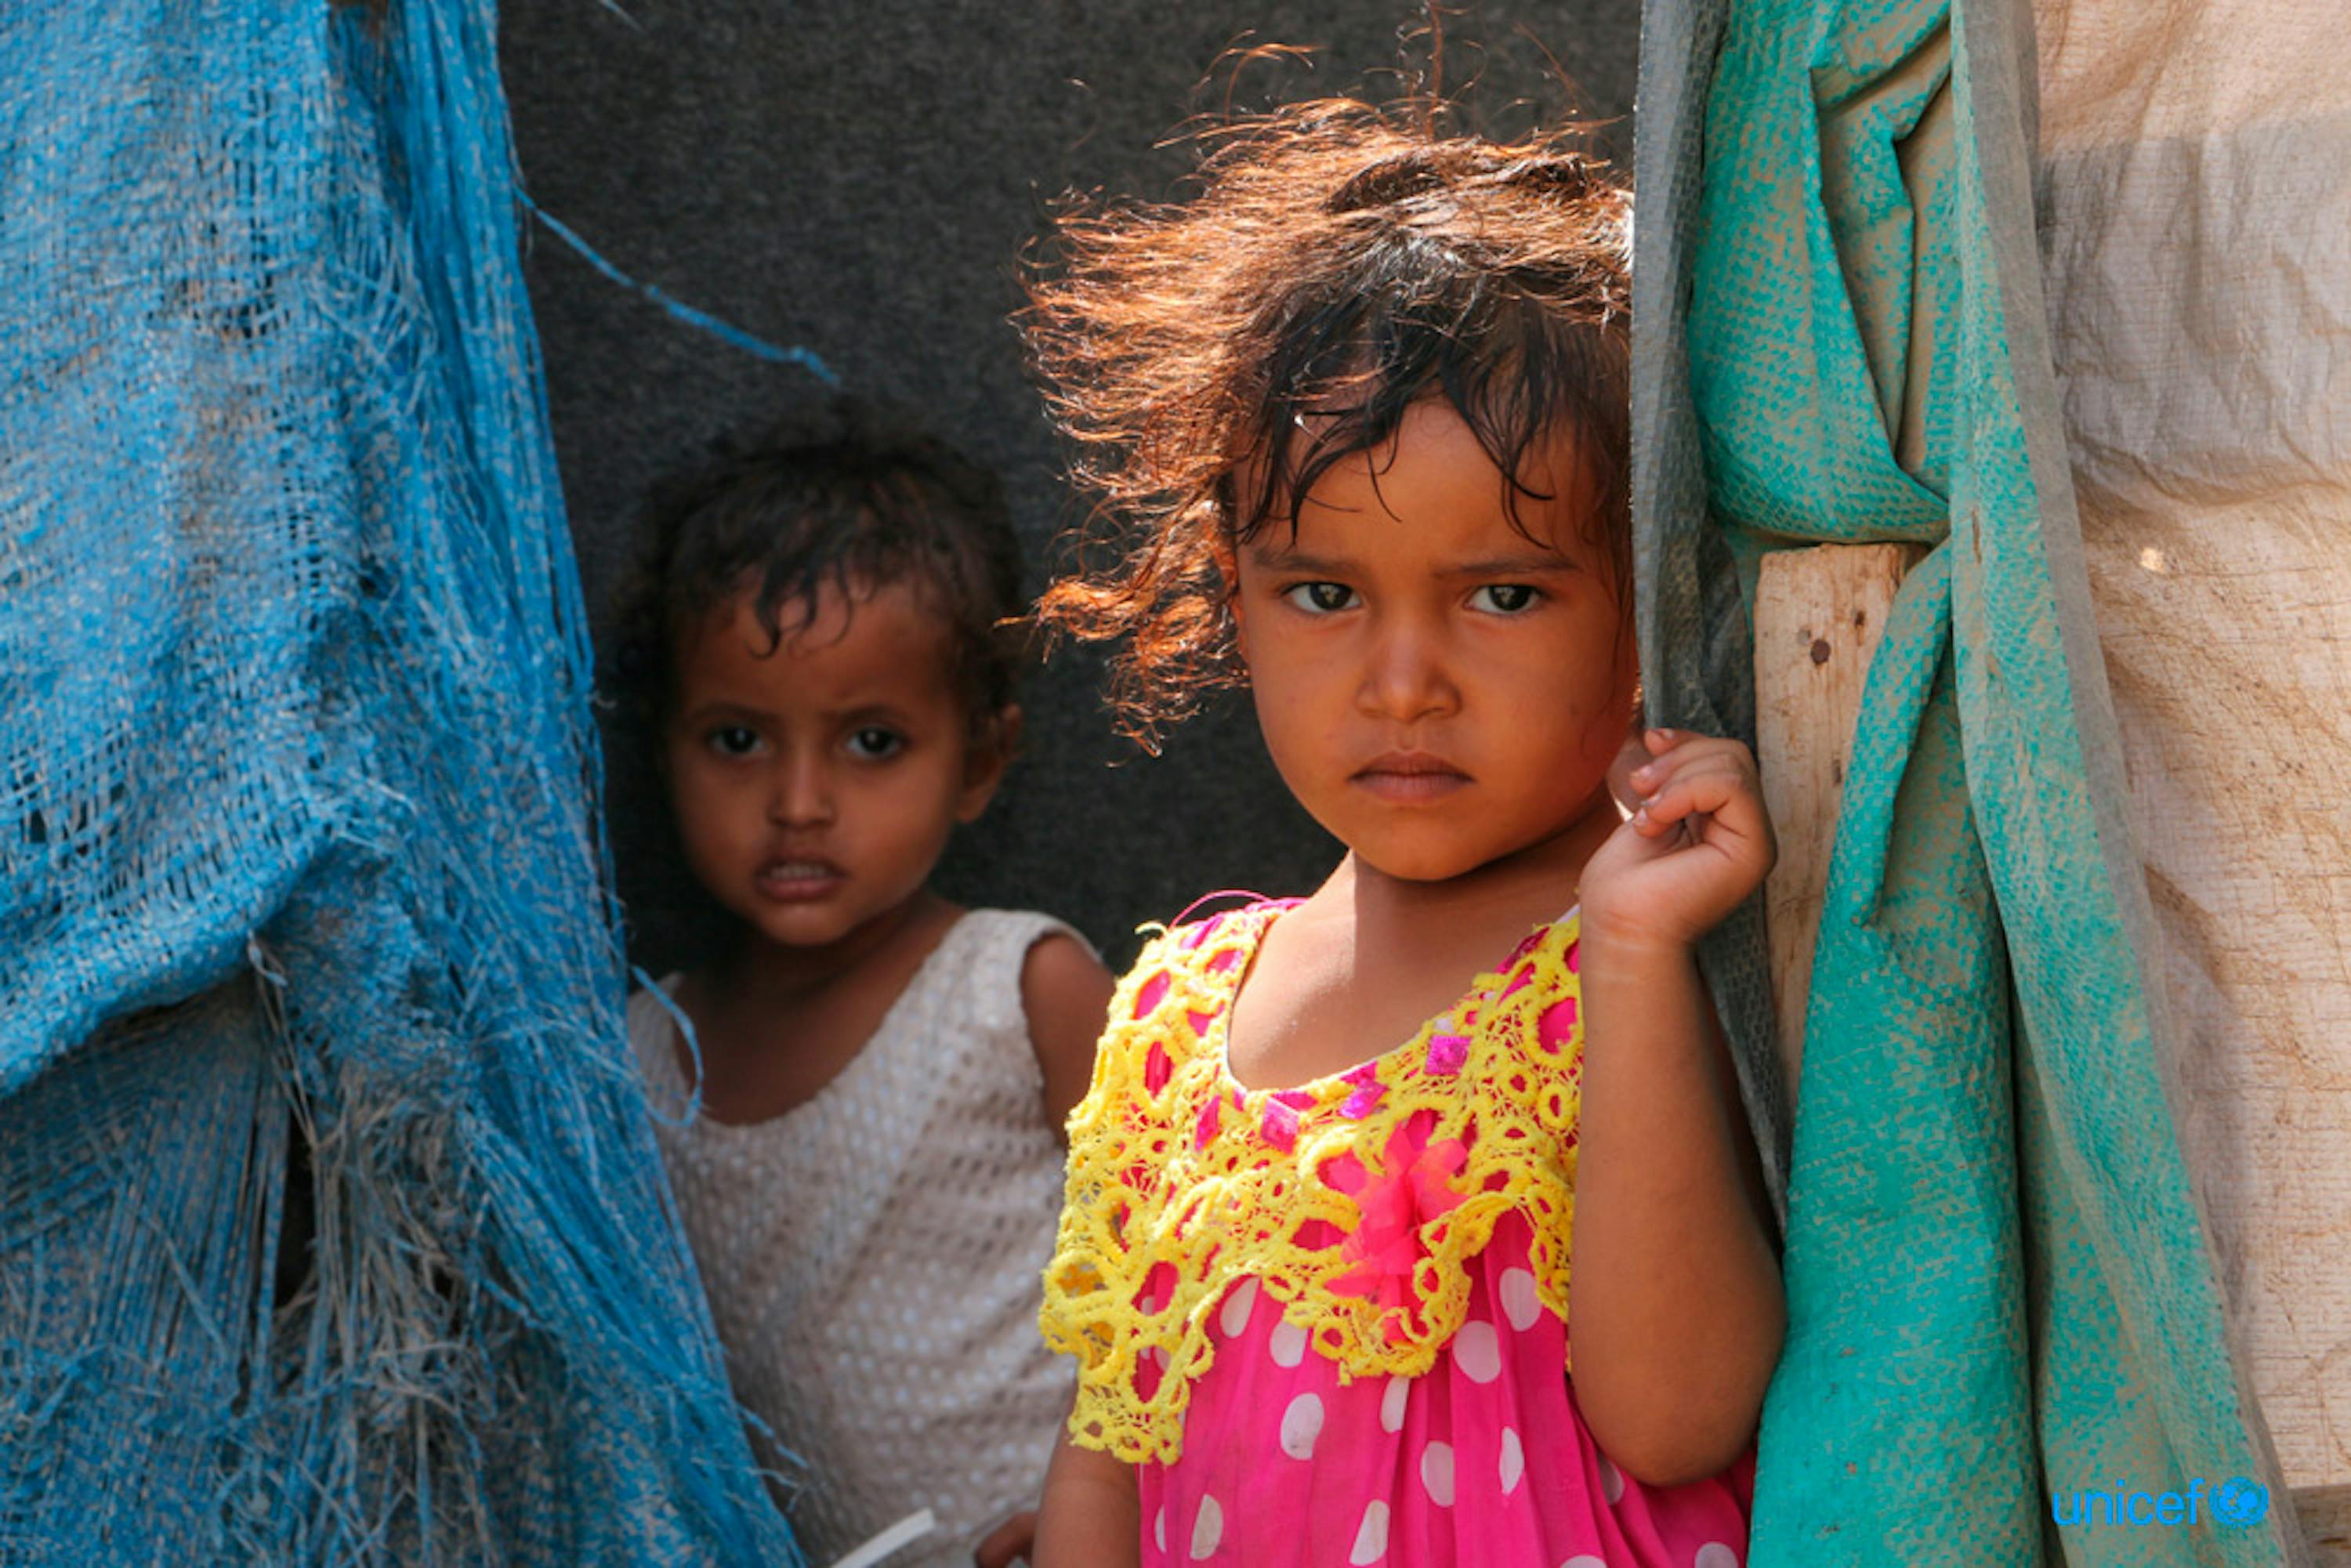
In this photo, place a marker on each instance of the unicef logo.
(2240, 1501)
(2236, 1501)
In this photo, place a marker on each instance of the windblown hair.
(849, 496)
(1210, 359)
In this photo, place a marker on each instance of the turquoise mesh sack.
(298, 844)
(1998, 1281)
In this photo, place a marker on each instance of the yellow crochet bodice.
(1356, 1201)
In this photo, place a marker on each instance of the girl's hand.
(1698, 842)
(1010, 1541)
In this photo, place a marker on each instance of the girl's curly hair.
(1339, 262)
(845, 494)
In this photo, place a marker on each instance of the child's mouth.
(798, 881)
(1407, 778)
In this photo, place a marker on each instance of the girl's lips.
(1409, 776)
(799, 881)
(1409, 789)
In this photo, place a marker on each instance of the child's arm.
(1066, 993)
(1675, 1307)
(1090, 1518)
(1014, 1540)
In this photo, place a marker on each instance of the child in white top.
(870, 1184)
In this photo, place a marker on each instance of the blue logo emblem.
(2240, 1501)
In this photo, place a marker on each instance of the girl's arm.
(1066, 992)
(1090, 1518)
(1674, 1299)
(1675, 1307)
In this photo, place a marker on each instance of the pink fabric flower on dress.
(1413, 1189)
(1449, 1051)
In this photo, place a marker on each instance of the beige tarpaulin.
(2196, 228)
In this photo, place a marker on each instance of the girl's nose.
(1406, 678)
(801, 796)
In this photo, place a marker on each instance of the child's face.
(1437, 691)
(816, 783)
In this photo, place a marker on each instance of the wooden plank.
(2325, 1516)
(1819, 613)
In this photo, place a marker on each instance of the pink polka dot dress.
(1327, 1323)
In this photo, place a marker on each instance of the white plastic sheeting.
(2195, 227)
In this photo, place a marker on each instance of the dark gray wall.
(857, 176)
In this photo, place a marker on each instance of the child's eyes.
(874, 743)
(1320, 598)
(732, 740)
(1505, 597)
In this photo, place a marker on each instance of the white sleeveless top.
(874, 1255)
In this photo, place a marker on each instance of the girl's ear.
(986, 759)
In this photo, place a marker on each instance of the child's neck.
(1369, 957)
(1511, 894)
(759, 972)
(777, 1024)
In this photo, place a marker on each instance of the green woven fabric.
(1998, 1285)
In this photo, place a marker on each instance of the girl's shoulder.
(1193, 965)
(970, 985)
(991, 942)
(652, 1015)
(1210, 941)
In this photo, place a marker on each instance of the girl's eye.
(732, 740)
(874, 743)
(1320, 598)
(1504, 598)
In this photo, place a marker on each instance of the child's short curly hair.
(846, 494)
(1339, 263)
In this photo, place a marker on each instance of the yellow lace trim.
(1181, 1183)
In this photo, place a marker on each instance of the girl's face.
(815, 782)
(1436, 690)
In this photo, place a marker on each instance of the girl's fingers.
(1664, 742)
(1662, 810)
(1629, 763)
(1722, 795)
(1663, 769)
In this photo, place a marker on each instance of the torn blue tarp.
(299, 845)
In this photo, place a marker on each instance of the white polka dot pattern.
(1436, 1473)
(1521, 1301)
(1392, 1402)
(1301, 1422)
(1480, 1459)
(1237, 1307)
(1284, 1462)
(1478, 1352)
(1207, 1529)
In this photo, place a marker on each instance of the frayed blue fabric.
(331, 1227)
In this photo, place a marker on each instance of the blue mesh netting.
(298, 839)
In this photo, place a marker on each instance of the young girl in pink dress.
(1414, 1221)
